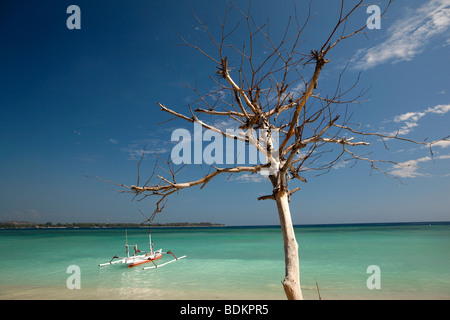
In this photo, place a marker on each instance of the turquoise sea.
(229, 262)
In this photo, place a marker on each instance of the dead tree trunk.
(291, 282)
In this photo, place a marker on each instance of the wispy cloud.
(409, 169)
(146, 146)
(408, 36)
(442, 144)
(137, 150)
(410, 120)
(247, 177)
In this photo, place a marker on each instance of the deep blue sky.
(79, 102)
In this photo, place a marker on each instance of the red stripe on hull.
(145, 261)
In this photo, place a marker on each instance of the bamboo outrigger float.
(138, 259)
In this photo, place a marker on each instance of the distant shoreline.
(11, 225)
(93, 225)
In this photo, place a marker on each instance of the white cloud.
(409, 169)
(442, 144)
(298, 89)
(409, 116)
(410, 120)
(409, 36)
(341, 164)
(247, 177)
(440, 109)
(292, 92)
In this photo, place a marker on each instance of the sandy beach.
(11, 292)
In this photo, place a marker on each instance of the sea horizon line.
(204, 225)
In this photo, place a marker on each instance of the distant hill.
(26, 224)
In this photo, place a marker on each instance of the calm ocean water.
(229, 263)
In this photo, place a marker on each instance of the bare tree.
(269, 96)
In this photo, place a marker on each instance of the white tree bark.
(291, 282)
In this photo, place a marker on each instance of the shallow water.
(229, 263)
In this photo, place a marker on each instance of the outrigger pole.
(163, 264)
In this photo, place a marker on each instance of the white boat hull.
(137, 259)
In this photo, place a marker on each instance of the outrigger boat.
(138, 259)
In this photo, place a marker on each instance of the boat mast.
(126, 243)
(150, 241)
